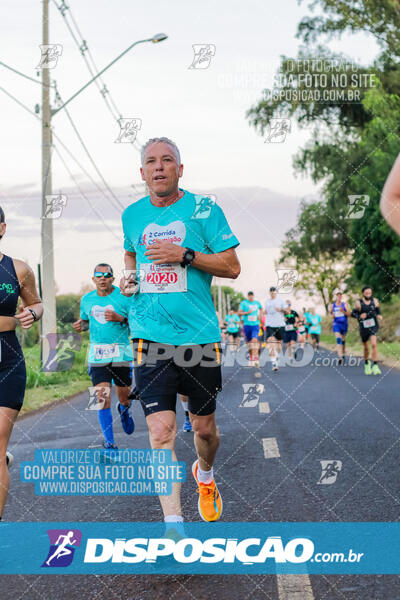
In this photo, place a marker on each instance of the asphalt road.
(267, 469)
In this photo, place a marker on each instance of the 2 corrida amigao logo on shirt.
(174, 232)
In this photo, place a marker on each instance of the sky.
(203, 110)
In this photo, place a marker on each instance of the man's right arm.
(130, 260)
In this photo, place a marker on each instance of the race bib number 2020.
(166, 278)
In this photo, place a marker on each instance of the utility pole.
(48, 322)
(49, 319)
(220, 301)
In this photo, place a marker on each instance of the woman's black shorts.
(12, 371)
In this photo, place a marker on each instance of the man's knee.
(161, 433)
(206, 429)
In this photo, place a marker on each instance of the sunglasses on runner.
(107, 274)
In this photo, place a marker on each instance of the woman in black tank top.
(16, 281)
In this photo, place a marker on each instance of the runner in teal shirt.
(251, 324)
(233, 322)
(315, 327)
(175, 242)
(251, 319)
(109, 340)
(104, 312)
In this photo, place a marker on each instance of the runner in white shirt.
(275, 325)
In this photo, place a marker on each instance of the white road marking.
(294, 587)
(271, 449)
(263, 407)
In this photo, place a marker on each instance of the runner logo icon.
(251, 394)
(330, 471)
(63, 543)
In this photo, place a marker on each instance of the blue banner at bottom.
(199, 548)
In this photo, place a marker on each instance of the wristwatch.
(188, 257)
(124, 321)
(34, 315)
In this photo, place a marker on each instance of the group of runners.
(161, 316)
(273, 325)
(277, 324)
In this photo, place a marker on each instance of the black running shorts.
(121, 375)
(366, 332)
(12, 371)
(276, 332)
(162, 371)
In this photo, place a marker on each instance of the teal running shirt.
(233, 322)
(252, 318)
(174, 304)
(109, 340)
(315, 323)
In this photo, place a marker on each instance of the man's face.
(102, 283)
(160, 169)
(338, 298)
(367, 293)
(250, 297)
(272, 293)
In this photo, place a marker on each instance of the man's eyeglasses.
(107, 274)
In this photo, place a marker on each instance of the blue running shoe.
(128, 424)
(187, 426)
(109, 446)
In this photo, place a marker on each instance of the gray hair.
(164, 140)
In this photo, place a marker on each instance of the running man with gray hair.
(172, 250)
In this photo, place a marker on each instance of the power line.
(120, 205)
(59, 141)
(99, 215)
(19, 102)
(54, 86)
(23, 75)
(93, 70)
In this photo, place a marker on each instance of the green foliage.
(351, 150)
(234, 296)
(67, 308)
(36, 377)
(320, 275)
(381, 19)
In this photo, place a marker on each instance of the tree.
(235, 297)
(352, 144)
(67, 308)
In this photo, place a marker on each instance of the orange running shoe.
(210, 502)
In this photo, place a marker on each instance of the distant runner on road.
(368, 313)
(340, 311)
(275, 325)
(250, 311)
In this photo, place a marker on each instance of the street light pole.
(48, 322)
(159, 37)
(49, 319)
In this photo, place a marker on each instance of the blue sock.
(105, 419)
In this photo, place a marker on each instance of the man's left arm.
(221, 264)
(378, 309)
(390, 199)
